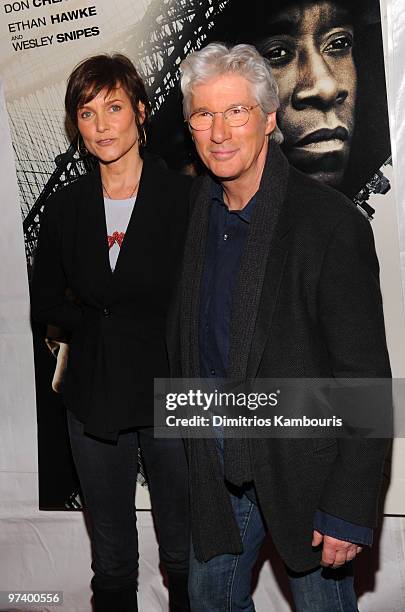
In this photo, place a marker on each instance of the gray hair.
(217, 59)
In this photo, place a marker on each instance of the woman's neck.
(121, 178)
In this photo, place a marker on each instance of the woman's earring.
(81, 147)
(142, 136)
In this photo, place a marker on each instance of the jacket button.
(106, 312)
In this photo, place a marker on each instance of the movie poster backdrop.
(327, 57)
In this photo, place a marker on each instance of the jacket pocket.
(324, 445)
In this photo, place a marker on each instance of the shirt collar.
(245, 214)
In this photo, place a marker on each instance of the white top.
(117, 216)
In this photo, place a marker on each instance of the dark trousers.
(108, 473)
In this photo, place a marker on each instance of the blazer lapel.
(261, 270)
(273, 275)
(92, 236)
(148, 211)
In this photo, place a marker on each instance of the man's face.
(231, 153)
(309, 45)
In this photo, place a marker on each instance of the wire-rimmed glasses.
(235, 116)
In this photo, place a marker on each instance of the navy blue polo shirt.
(227, 233)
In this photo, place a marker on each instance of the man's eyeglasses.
(236, 116)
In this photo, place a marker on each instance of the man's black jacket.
(307, 304)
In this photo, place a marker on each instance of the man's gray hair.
(217, 59)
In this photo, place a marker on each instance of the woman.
(113, 239)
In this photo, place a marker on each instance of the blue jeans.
(107, 473)
(223, 584)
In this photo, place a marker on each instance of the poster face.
(326, 55)
(310, 49)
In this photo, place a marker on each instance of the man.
(280, 279)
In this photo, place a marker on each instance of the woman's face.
(309, 45)
(107, 125)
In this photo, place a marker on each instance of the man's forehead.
(229, 86)
(300, 17)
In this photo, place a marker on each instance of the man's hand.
(335, 553)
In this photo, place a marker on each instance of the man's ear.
(191, 132)
(271, 122)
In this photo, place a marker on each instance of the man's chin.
(221, 174)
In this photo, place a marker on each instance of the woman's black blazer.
(117, 320)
